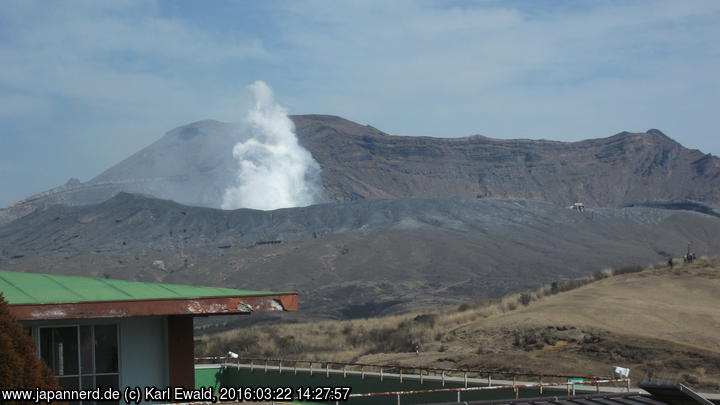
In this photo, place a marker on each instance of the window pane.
(46, 345)
(69, 383)
(106, 349)
(86, 347)
(65, 351)
(87, 382)
(104, 381)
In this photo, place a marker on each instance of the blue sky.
(84, 84)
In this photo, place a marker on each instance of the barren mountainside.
(599, 172)
(408, 222)
(193, 164)
(355, 259)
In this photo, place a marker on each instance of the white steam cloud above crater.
(274, 170)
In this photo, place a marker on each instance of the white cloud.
(582, 69)
(102, 51)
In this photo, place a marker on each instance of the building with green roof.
(96, 332)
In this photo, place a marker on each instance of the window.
(82, 356)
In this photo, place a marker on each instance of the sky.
(84, 84)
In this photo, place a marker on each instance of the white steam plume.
(274, 170)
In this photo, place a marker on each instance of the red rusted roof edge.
(164, 306)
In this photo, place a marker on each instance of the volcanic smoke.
(274, 170)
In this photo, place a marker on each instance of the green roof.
(31, 288)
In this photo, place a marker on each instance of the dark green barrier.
(234, 377)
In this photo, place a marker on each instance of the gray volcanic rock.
(599, 172)
(193, 165)
(362, 258)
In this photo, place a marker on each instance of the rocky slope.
(599, 172)
(355, 259)
(193, 164)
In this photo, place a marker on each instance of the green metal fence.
(396, 387)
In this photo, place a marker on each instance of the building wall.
(143, 352)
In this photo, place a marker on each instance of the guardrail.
(419, 373)
(514, 387)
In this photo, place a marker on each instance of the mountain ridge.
(193, 165)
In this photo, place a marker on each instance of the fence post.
(362, 372)
(421, 376)
(266, 366)
(489, 380)
(398, 399)
(541, 386)
(311, 368)
(381, 374)
(327, 370)
(252, 365)
(344, 370)
(401, 375)
(459, 396)
(465, 378)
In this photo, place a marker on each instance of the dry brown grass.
(578, 327)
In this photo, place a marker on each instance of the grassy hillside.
(661, 323)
